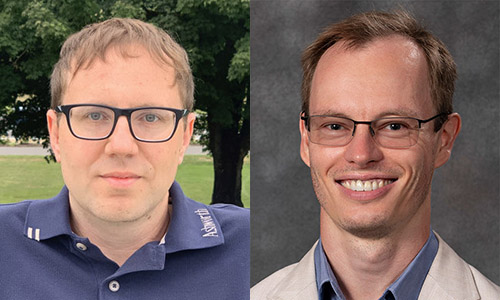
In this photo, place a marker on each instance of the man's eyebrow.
(401, 112)
(138, 104)
(330, 113)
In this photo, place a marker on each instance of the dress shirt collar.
(326, 282)
(406, 287)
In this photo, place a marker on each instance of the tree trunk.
(229, 147)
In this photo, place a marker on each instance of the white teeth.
(369, 185)
(359, 186)
(381, 183)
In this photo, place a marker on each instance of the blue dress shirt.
(406, 287)
(204, 255)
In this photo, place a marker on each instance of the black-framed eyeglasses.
(97, 122)
(390, 132)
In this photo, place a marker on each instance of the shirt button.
(81, 246)
(114, 286)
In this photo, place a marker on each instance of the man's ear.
(304, 142)
(187, 134)
(448, 136)
(53, 126)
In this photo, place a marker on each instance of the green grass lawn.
(30, 177)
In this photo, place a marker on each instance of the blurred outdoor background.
(215, 34)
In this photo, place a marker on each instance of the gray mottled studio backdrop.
(465, 194)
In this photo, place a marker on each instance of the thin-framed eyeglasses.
(97, 122)
(389, 132)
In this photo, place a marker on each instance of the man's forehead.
(122, 74)
(119, 52)
(382, 60)
(85, 58)
(395, 45)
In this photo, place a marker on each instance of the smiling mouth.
(365, 185)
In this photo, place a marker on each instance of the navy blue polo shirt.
(204, 255)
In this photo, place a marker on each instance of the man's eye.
(150, 118)
(335, 126)
(395, 126)
(95, 116)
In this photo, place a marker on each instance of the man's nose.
(362, 149)
(121, 142)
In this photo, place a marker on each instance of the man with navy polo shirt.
(121, 228)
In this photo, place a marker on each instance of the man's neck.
(119, 240)
(371, 263)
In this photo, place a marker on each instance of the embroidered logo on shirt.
(208, 223)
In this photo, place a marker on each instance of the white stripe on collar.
(37, 233)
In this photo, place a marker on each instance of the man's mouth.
(365, 185)
(120, 178)
(120, 175)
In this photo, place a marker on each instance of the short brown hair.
(81, 48)
(360, 29)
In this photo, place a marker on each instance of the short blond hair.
(83, 47)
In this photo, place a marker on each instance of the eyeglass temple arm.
(305, 118)
(420, 122)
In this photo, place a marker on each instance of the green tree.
(215, 34)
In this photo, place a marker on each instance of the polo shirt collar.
(193, 225)
(46, 219)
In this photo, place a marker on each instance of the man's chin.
(117, 217)
(373, 230)
(121, 213)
